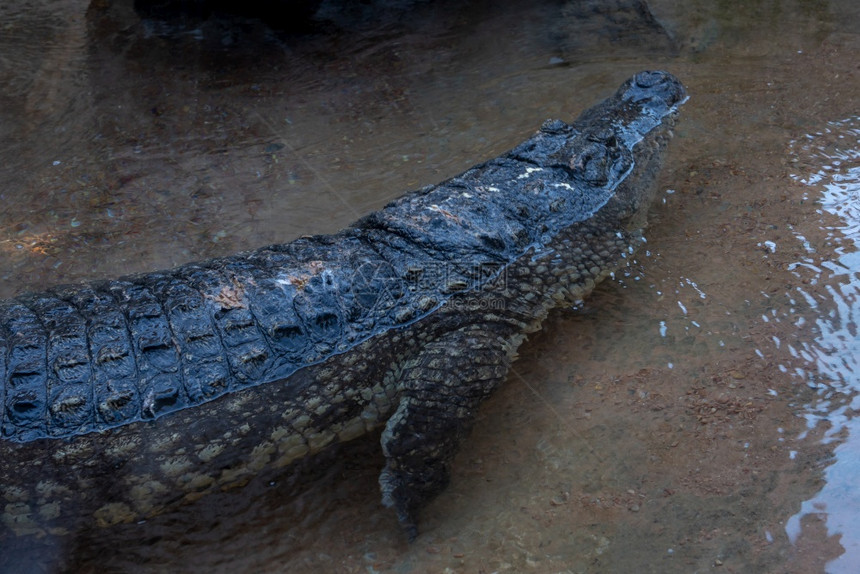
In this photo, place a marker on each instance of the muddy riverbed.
(695, 414)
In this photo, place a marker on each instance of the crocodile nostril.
(649, 79)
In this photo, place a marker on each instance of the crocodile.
(123, 398)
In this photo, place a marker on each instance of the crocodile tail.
(86, 358)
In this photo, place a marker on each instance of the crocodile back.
(85, 358)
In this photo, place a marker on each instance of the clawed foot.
(406, 493)
(396, 495)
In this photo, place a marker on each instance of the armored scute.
(122, 398)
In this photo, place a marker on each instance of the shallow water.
(835, 150)
(696, 413)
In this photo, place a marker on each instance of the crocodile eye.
(604, 136)
(593, 164)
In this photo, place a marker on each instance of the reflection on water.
(835, 353)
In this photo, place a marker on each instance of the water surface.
(695, 413)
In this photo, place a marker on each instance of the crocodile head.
(608, 156)
(627, 133)
(641, 104)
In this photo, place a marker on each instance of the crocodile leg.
(441, 390)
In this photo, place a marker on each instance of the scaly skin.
(126, 397)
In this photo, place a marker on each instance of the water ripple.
(829, 163)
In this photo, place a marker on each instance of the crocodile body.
(122, 398)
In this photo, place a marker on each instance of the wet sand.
(681, 420)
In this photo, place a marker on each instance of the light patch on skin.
(382, 399)
(15, 494)
(260, 456)
(210, 451)
(138, 478)
(123, 446)
(176, 466)
(164, 444)
(333, 401)
(393, 376)
(238, 401)
(279, 433)
(318, 441)
(300, 281)
(313, 403)
(193, 496)
(370, 416)
(230, 296)
(47, 489)
(289, 441)
(16, 509)
(198, 485)
(142, 494)
(114, 513)
(289, 455)
(199, 482)
(74, 450)
(529, 171)
(352, 429)
(564, 185)
(290, 414)
(233, 477)
(301, 423)
(50, 510)
(325, 374)
(511, 345)
(16, 517)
